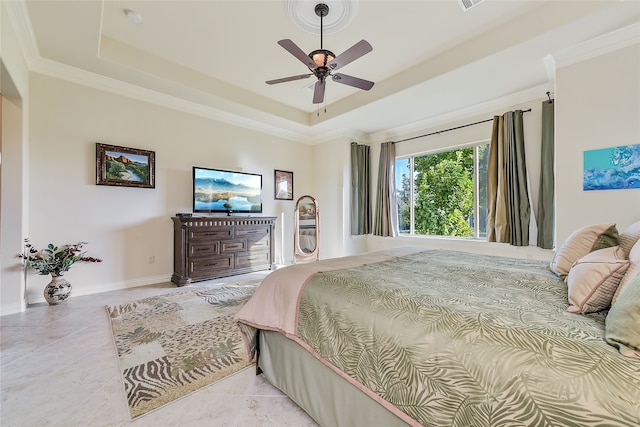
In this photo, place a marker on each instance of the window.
(443, 193)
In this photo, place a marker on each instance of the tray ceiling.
(429, 59)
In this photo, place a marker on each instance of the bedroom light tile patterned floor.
(58, 367)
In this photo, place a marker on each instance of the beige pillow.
(594, 278)
(632, 271)
(580, 243)
(622, 325)
(630, 237)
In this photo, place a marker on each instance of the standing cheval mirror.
(306, 234)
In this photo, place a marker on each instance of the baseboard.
(13, 308)
(115, 286)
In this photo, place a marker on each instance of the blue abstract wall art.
(612, 168)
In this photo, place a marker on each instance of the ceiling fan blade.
(352, 81)
(354, 52)
(318, 93)
(294, 50)
(288, 79)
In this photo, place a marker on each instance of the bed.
(410, 336)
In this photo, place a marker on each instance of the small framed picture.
(125, 167)
(283, 185)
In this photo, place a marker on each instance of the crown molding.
(489, 107)
(19, 16)
(550, 68)
(342, 133)
(597, 46)
(107, 84)
(100, 82)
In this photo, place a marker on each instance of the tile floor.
(58, 367)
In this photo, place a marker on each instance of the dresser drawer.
(204, 267)
(203, 249)
(262, 244)
(252, 259)
(206, 233)
(232, 246)
(253, 233)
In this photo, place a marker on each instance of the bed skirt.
(328, 398)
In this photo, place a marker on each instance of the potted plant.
(55, 260)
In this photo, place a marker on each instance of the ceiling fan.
(322, 63)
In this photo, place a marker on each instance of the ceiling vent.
(468, 4)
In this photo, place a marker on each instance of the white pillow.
(594, 278)
(632, 271)
(581, 242)
(629, 237)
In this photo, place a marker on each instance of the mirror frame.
(299, 253)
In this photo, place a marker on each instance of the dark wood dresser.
(210, 247)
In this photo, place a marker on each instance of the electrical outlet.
(152, 259)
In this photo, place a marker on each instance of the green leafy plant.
(53, 259)
(444, 186)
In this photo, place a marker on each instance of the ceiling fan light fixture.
(321, 57)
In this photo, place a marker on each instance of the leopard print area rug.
(174, 344)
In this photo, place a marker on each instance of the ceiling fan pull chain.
(325, 108)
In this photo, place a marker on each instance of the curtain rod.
(450, 129)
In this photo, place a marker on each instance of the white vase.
(58, 290)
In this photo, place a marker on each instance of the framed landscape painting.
(283, 185)
(125, 167)
(614, 168)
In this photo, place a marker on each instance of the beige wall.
(126, 226)
(14, 89)
(598, 107)
(331, 189)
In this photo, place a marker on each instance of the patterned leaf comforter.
(445, 338)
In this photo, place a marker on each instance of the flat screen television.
(222, 191)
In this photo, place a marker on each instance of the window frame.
(476, 188)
